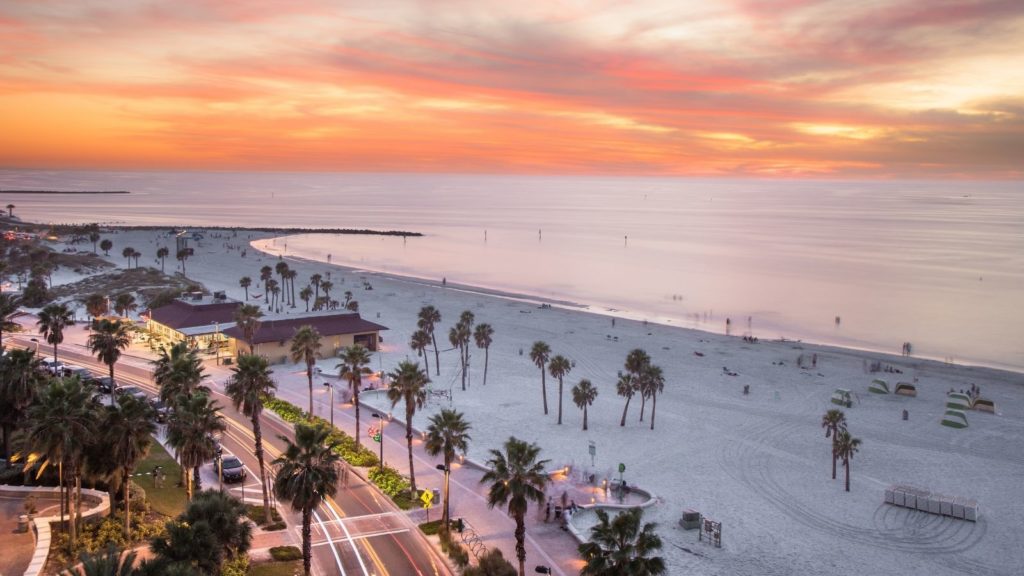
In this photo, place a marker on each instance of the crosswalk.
(358, 527)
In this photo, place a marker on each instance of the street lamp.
(381, 432)
(447, 472)
(36, 340)
(331, 388)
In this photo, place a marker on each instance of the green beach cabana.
(842, 397)
(878, 387)
(958, 401)
(954, 419)
(906, 389)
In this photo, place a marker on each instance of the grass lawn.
(276, 568)
(169, 499)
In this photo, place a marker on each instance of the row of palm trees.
(285, 285)
(459, 336)
(844, 445)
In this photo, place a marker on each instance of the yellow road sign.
(428, 498)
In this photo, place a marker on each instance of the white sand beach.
(758, 463)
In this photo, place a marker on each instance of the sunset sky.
(773, 88)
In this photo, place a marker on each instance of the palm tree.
(559, 367)
(191, 434)
(459, 337)
(619, 546)
(10, 210)
(625, 387)
(315, 280)
(106, 563)
(63, 420)
(306, 294)
(833, 422)
(654, 383)
(409, 384)
(244, 282)
(465, 325)
(271, 288)
(637, 362)
(355, 362)
(419, 342)
(281, 267)
(305, 346)
(348, 296)
(135, 255)
(540, 354)
(127, 253)
(225, 515)
(162, 253)
(307, 473)
(247, 318)
(249, 385)
(125, 303)
(127, 433)
(94, 237)
(583, 395)
(291, 275)
(178, 371)
(846, 447)
(428, 319)
(95, 305)
(182, 257)
(483, 334)
(447, 433)
(326, 286)
(8, 305)
(516, 478)
(53, 319)
(106, 244)
(107, 340)
(19, 380)
(266, 273)
(212, 528)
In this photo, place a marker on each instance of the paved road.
(356, 532)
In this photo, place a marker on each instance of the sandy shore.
(758, 463)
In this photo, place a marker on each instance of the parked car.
(52, 366)
(104, 384)
(160, 408)
(232, 469)
(133, 391)
(84, 374)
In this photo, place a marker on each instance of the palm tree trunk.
(834, 458)
(544, 389)
(60, 483)
(462, 360)
(437, 354)
(113, 384)
(426, 361)
(584, 417)
(78, 499)
(846, 464)
(521, 544)
(559, 400)
(487, 352)
(309, 376)
(448, 467)
(643, 404)
(624, 409)
(188, 484)
(257, 433)
(654, 406)
(408, 440)
(307, 542)
(127, 505)
(55, 353)
(355, 400)
(197, 480)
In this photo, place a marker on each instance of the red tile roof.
(326, 325)
(180, 314)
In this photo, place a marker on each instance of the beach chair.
(842, 397)
(954, 419)
(984, 405)
(906, 389)
(878, 387)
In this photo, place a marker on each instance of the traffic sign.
(428, 498)
(622, 467)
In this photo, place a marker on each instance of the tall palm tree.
(19, 381)
(290, 276)
(846, 447)
(306, 294)
(162, 253)
(94, 237)
(484, 336)
(459, 336)
(272, 289)
(327, 286)
(428, 319)
(53, 319)
(106, 244)
(315, 280)
(127, 433)
(182, 257)
(516, 477)
(419, 342)
(465, 324)
(178, 371)
(125, 303)
(8, 305)
(307, 473)
(833, 422)
(654, 384)
(107, 340)
(95, 305)
(583, 395)
(408, 384)
(355, 363)
(135, 255)
(620, 546)
(266, 273)
(281, 268)
(127, 253)
(247, 318)
(637, 362)
(447, 433)
(540, 353)
(626, 388)
(559, 367)
(244, 282)
(191, 434)
(63, 420)
(305, 347)
(10, 210)
(250, 383)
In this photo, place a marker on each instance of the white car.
(53, 366)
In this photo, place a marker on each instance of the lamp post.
(447, 472)
(331, 388)
(36, 340)
(381, 432)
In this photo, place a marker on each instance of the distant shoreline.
(362, 231)
(64, 192)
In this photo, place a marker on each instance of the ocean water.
(937, 264)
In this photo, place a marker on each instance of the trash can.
(23, 523)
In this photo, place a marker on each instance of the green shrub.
(431, 528)
(453, 549)
(275, 527)
(285, 553)
(388, 480)
(347, 448)
(237, 566)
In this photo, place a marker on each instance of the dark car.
(160, 408)
(133, 391)
(104, 384)
(232, 469)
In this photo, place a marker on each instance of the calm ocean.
(937, 264)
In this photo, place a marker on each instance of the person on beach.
(547, 512)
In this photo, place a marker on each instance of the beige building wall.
(280, 352)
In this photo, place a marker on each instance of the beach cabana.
(958, 401)
(954, 419)
(984, 405)
(878, 387)
(842, 397)
(906, 389)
